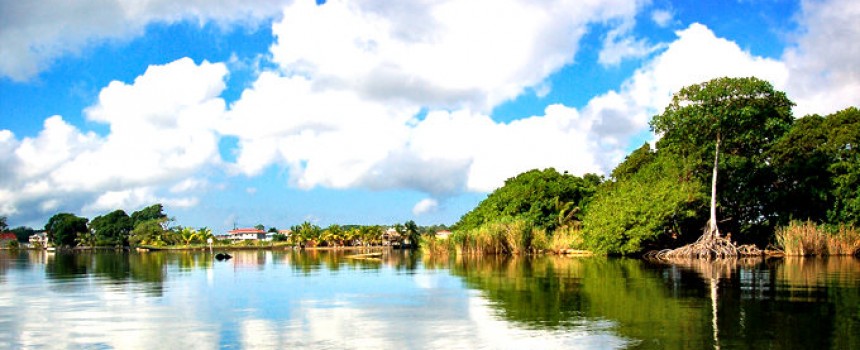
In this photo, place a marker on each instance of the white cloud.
(439, 54)
(662, 17)
(34, 33)
(161, 133)
(340, 112)
(697, 55)
(620, 44)
(825, 73)
(424, 206)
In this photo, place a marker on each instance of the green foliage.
(150, 232)
(413, 233)
(3, 223)
(818, 163)
(63, 228)
(801, 164)
(532, 196)
(745, 116)
(633, 162)
(112, 229)
(843, 144)
(658, 201)
(152, 212)
(23, 233)
(305, 233)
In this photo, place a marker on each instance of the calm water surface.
(286, 299)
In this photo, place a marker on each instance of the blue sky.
(360, 112)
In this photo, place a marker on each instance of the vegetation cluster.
(732, 165)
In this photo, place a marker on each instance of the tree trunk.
(712, 222)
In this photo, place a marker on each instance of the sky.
(236, 113)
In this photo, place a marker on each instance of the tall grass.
(568, 237)
(807, 238)
(512, 237)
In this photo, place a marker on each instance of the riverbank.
(256, 247)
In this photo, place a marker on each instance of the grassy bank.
(809, 239)
(513, 237)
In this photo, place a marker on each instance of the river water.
(326, 299)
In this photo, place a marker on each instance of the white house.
(246, 234)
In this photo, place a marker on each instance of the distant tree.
(260, 227)
(112, 229)
(273, 229)
(205, 233)
(150, 232)
(412, 232)
(3, 225)
(532, 196)
(63, 228)
(305, 232)
(188, 235)
(23, 233)
(152, 212)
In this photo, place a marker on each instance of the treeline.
(773, 170)
(146, 226)
(151, 227)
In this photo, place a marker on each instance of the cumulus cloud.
(340, 111)
(439, 54)
(696, 55)
(34, 33)
(825, 74)
(161, 134)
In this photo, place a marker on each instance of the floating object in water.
(222, 256)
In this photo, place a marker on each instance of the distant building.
(40, 239)
(245, 234)
(391, 236)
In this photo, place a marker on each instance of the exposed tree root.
(708, 246)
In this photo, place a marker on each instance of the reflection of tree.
(712, 271)
(808, 304)
(109, 266)
(559, 293)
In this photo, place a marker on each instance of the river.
(326, 299)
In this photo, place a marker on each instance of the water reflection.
(332, 299)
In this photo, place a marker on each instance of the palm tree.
(412, 233)
(187, 235)
(567, 212)
(334, 235)
(205, 233)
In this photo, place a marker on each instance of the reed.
(567, 237)
(809, 239)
